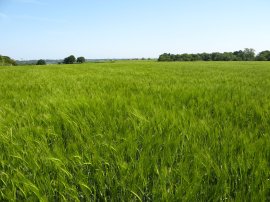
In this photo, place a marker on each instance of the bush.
(41, 62)
(70, 60)
(263, 56)
(81, 60)
(7, 61)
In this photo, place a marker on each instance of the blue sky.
(54, 29)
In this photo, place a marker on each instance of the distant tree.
(7, 61)
(41, 62)
(81, 60)
(195, 57)
(165, 57)
(239, 55)
(186, 57)
(70, 60)
(2, 60)
(228, 56)
(205, 56)
(216, 56)
(178, 57)
(263, 56)
(249, 54)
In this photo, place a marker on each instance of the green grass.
(135, 131)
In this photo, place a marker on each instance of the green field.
(135, 131)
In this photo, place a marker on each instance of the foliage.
(7, 61)
(246, 55)
(135, 131)
(70, 60)
(81, 60)
(41, 62)
(263, 56)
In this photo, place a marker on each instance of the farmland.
(135, 131)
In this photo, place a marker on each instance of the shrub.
(70, 60)
(81, 60)
(41, 62)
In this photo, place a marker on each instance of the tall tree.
(81, 60)
(70, 60)
(7, 61)
(263, 56)
(249, 54)
(41, 62)
(165, 57)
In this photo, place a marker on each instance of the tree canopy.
(70, 60)
(263, 56)
(7, 61)
(81, 60)
(248, 54)
(41, 62)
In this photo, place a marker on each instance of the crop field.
(135, 131)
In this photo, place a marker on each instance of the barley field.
(135, 131)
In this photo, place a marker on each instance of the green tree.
(165, 57)
(81, 60)
(228, 56)
(249, 54)
(217, 56)
(7, 61)
(263, 56)
(239, 55)
(41, 62)
(205, 56)
(2, 61)
(70, 60)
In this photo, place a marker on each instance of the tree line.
(7, 61)
(68, 60)
(248, 54)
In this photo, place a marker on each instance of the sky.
(98, 29)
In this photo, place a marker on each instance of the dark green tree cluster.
(247, 54)
(71, 60)
(81, 60)
(7, 61)
(41, 62)
(263, 56)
